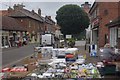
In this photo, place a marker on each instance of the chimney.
(49, 17)
(10, 9)
(86, 6)
(86, 3)
(33, 11)
(39, 12)
(18, 6)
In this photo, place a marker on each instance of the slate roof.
(3, 12)
(9, 23)
(48, 20)
(26, 13)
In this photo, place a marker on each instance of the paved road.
(89, 59)
(13, 55)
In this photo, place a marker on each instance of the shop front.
(95, 31)
(5, 35)
(114, 29)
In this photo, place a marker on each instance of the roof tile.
(9, 23)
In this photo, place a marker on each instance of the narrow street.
(13, 55)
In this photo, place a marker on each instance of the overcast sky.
(47, 8)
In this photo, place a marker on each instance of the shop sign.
(68, 36)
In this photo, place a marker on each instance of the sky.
(48, 7)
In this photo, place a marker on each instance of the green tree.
(72, 19)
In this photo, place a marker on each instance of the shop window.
(2, 40)
(118, 32)
(29, 23)
(6, 40)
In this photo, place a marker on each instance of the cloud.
(46, 0)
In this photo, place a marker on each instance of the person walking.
(24, 41)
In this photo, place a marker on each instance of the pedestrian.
(20, 43)
(24, 41)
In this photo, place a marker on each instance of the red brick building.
(34, 24)
(114, 29)
(102, 13)
(86, 7)
(12, 31)
(49, 24)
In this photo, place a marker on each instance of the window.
(105, 12)
(29, 23)
(97, 11)
(118, 32)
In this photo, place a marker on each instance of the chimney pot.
(39, 11)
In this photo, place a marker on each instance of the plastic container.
(69, 56)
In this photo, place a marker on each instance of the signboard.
(68, 36)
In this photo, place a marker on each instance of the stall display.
(46, 51)
(5, 69)
(18, 69)
(106, 69)
(66, 63)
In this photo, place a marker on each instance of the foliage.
(72, 19)
(71, 42)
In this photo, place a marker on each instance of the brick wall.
(108, 11)
(31, 24)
